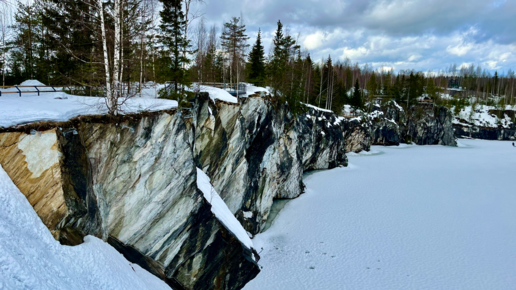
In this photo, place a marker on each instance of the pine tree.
(172, 27)
(257, 62)
(234, 41)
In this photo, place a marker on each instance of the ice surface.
(221, 210)
(414, 217)
(30, 107)
(30, 258)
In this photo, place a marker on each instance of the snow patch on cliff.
(40, 152)
(30, 258)
(481, 117)
(221, 210)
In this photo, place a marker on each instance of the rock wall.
(423, 125)
(255, 152)
(131, 180)
(465, 130)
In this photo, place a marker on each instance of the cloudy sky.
(403, 34)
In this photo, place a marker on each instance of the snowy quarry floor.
(409, 217)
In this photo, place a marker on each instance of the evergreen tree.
(257, 62)
(72, 41)
(356, 100)
(349, 79)
(372, 88)
(234, 41)
(27, 41)
(283, 46)
(172, 27)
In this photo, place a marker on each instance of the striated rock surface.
(255, 152)
(32, 162)
(132, 182)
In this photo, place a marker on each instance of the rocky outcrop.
(466, 130)
(32, 161)
(357, 134)
(500, 124)
(131, 180)
(423, 125)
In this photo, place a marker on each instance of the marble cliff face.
(131, 180)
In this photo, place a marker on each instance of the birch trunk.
(121, 40)
(110, 101)
(116, 52)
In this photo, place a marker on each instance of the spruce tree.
(356, 100)
(257, 62)
(172, 27)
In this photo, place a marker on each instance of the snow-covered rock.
(422, 124)
(485, 122)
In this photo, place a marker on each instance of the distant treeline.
(97, 45)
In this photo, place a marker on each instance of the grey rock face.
(465, 130)
(424, 125)
(255, 152)
(139, 193)
(502, 129)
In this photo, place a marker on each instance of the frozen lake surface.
(411, 217)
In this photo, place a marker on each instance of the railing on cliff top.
(36, 90)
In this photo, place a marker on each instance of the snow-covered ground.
(410, 217)
(33, 108)
(30, 107)
(30, 258)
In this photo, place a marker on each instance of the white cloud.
(314, 40)
(460, 49)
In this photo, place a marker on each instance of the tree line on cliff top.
(112, 48)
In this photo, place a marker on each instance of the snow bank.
(30, 258)
(30, 107)
(218, 94)
(32, 83)
(252, 89)
(221, 210)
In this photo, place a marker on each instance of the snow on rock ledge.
(221, 210)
